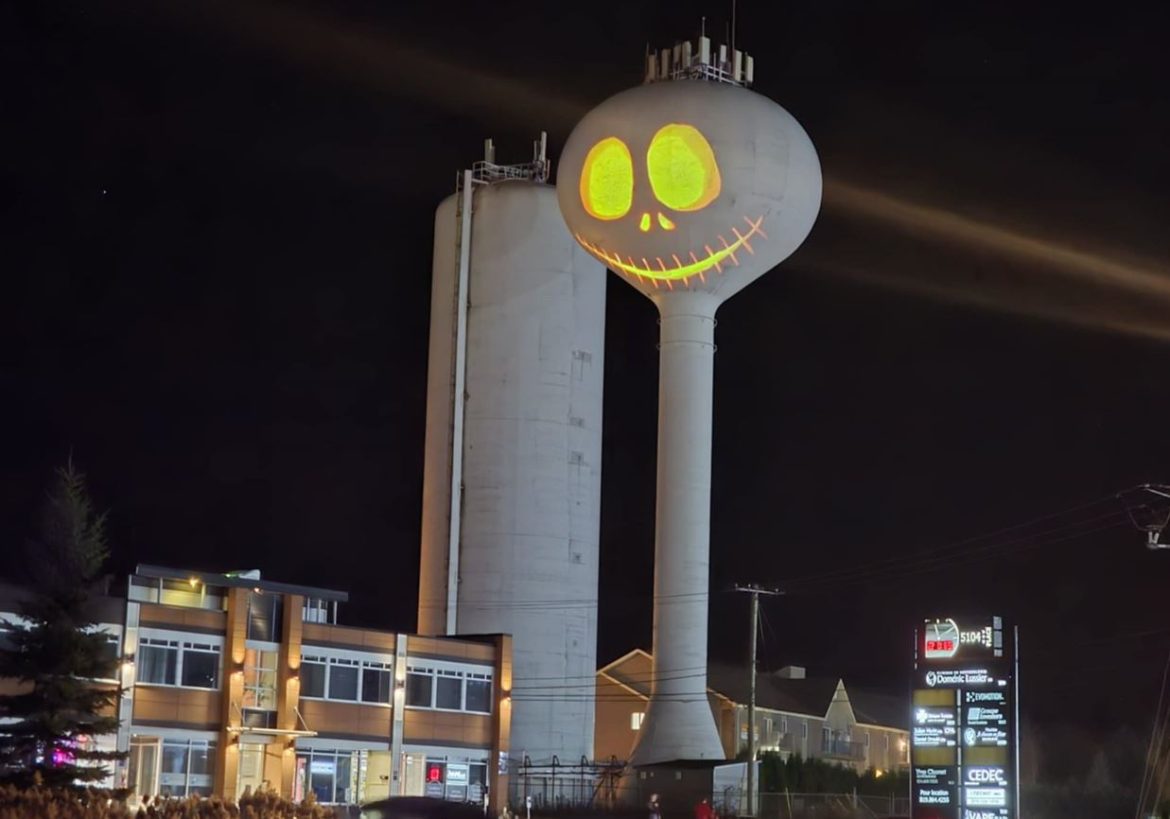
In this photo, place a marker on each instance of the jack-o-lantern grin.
(680, 175)
(675, 268)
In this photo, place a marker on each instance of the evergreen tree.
(55, 653)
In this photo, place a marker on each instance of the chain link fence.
(831, 806)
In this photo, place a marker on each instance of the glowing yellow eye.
(682, 168)
(607, 180)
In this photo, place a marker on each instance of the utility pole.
(755, 591)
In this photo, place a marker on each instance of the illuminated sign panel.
(963, 745)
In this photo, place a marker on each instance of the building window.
(476, 781)
(110, 653)
(449, 691)
(264, 617)
(784, 724)
(315, 610)
(171, 767)
(330, 775)
(479, 693)
(158, 661)
(419, 688)
(343, 679)
(181, 663)
(636, 720)
(200, 665)
(376, 683)
(260, 679)
(313, 672)
(144, 764)
(346, 680)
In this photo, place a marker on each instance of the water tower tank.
(690, 187)
(527, 452)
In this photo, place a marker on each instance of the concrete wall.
(531, 456)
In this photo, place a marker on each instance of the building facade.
(814, 718)
(231, 683)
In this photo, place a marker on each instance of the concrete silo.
(512, 475)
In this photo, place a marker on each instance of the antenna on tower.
(1149, 518)
(732, 37)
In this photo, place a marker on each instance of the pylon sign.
(964, 745)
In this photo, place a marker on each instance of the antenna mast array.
(1151, 518)
(699, 61)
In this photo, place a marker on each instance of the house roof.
(811, 696)
(875, 708)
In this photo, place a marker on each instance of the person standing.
(655, 807)
(703, 810)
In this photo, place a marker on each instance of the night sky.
(217, 236)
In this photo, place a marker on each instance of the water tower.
(689, 187)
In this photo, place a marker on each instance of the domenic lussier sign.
(964, 747)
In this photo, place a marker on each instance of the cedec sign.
(963, 741)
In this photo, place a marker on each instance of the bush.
(39, 802)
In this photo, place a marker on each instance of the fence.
(562, 786)
(831, 806)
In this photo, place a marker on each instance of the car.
(420, 807)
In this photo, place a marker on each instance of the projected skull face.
(691, 184)
(678, 175)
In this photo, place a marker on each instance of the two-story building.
(795, 714)
(233, 683)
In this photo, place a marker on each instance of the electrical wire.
(972, 539)
(914, 561)
(899, 566)
(935, 565)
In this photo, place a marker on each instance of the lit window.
(636, 720)
(158, 661)
(187, 768)
(171, 662)
(260, 679)
(329, 775)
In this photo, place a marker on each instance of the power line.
(931, 564)
(912, 561)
